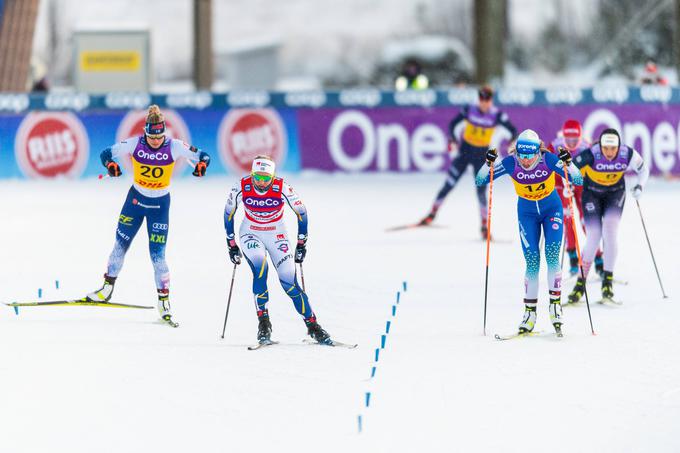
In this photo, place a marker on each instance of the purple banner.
(415, 139)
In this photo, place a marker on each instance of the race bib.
(150, 176)
(603, 178)
(477, 136)
(536, 191)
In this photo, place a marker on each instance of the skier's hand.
(636, 191)
(199, 169)
(453, 147)
(300, 250)
(564, 155)
(113, 169)
(491, 156)
(202, 165)
(234, 252)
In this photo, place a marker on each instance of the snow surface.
(82, 379)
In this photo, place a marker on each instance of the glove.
(234, 252)
(113, 169)
(564, 155)
(491, 156)
(453, 147)
(636, 191)
(567, 192)
(202, 165)
(199, 169)
(301, 250)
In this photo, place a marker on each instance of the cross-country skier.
(604, 194)
(571, 138)
(538, 208)
(263, 233)
(478, 124)
(153, 157)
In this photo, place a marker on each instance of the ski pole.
(302, 278)
(231, 288)
(578, 248)
(488, 242)
(650, 249)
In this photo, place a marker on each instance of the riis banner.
(415, 139)
(54, 144)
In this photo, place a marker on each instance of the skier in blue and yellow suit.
(539, 206)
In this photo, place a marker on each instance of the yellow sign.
(110, 60)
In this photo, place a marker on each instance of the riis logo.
(51, 144)
(247, 133)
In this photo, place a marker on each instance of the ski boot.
(529, 319)
(577, 293)
(104, 293)
(555, 310)
(607, 286)
(164, 307)
(573, 262)
(264, 328)
(599, 266)
(428, 219)
(315, 331)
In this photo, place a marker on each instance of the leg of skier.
(129, 221)
(592, 207)
(456, 170)
(279, 248)
(256, 254)
(157, 228)
(610, 229)
(530, 234)
(553, 229)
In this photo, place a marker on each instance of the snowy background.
(109, 380)
(326, 43)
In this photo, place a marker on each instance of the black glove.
(202, 165)
(113, 168)
(300, 250)
(564, 155)
(234, 252)
(491, 156)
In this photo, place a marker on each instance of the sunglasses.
(155, 137)
(526, 155)
(262, 178)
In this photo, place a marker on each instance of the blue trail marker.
(398, 294)
(382, 341)
(387, 327)
(368, 398)
(39, 293)
(394, 310)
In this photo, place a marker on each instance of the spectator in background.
(411, 77)
(651, 75)
(37, 82)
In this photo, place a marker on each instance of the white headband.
(264, 166)
(609, 140)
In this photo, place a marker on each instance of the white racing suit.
(263, 232)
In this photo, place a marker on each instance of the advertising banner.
(415, 139)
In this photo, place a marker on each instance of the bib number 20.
(151, 172)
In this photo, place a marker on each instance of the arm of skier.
(557, 164)
(500, 168)
(235, 196)
(200, 160)
(110, 155)
(296, 204)
(637, 163)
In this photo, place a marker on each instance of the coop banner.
(415, 139)
(67, 144)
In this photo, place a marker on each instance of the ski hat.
(485, 93)
(263, 165)
(528, 142)
(610, 137)
(571, 129)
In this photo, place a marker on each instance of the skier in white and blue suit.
(533, 171)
